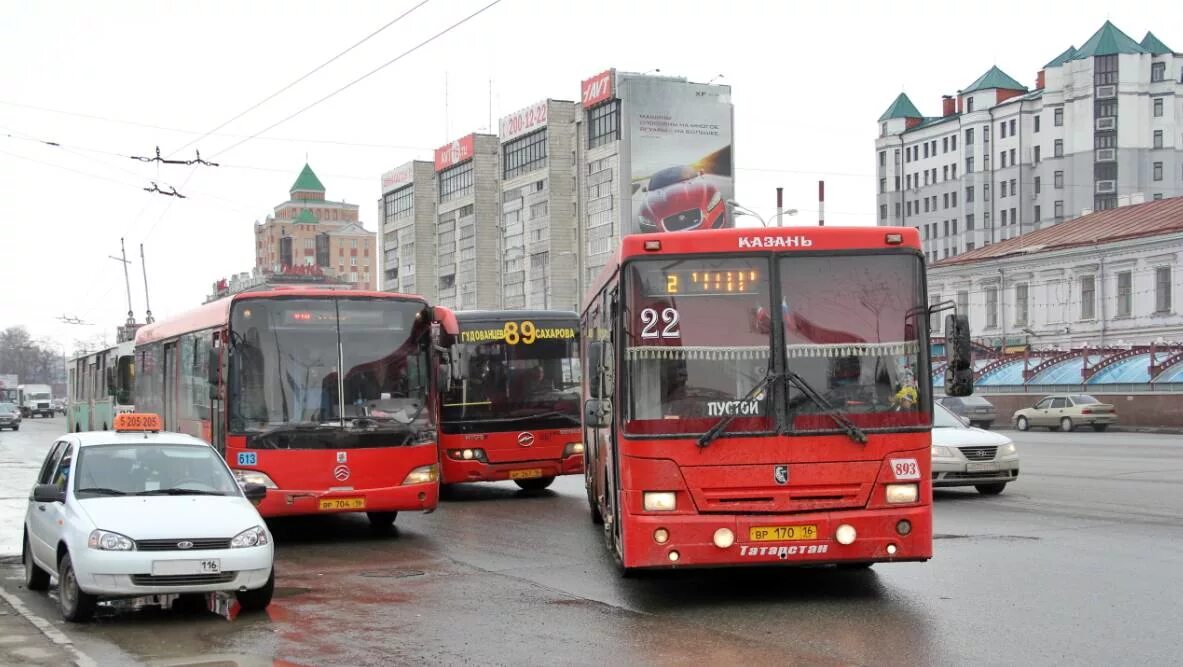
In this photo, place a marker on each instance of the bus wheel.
(536, 484)
(596, 517)
(382, 520)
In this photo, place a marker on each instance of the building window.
(1106, 109)
(953, 197)
(1158, 138)
(1002, 159)
(882, 185)
(882, 158)
(1104, 70)
(1038, 213)
(1158, 107)
(1037, 156)
(969, 137)
(946, 200)
(945, 173)
(969, 165)
(1004, 223)
(1162, 289)
(1058, 180)
(991, 307)
(1013, 162)
(907, 154)
(969, 193)
(1002, 130)
(1058, 149)
(1021, 304)
(1088, 297)
(926, 149)
(897, 209)
(1059, 209)
(953, 142)
(1058, 116)
(1124, 294)
(954, 226)
(399, 204)
(352, 261)
(969, 222)
(944, 144)
(1012, 127)
(883, 211)
(953, 170)
(456, 182)
(969, 104)
(926, 204)
(1014, 216)
(1002, 189)
(1014, 189)
(603, 124)
(1036, 119)
(1158, 71)
(525, 154)
(1158, 171)
(969, 245)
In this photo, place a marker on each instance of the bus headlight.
(572, 449)
(422, 475)
(469, 454)
(902, 493)
(660, 501)
(245, 477)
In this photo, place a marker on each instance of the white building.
(1104, 121)
(407, 212)
(1103, 279)
(468, 207)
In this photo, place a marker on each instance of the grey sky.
(809, 81)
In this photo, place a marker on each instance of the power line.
(364, 76)
(316, 69)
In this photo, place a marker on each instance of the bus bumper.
(455, 472)
(410, 497)
(881, 535)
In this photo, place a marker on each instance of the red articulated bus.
(512, 410)
(763, 396)
(325, 396)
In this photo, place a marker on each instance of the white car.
(137, 512)
(967, 456)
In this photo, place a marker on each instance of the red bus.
(760, 396)
(512, 409)
(325, 396)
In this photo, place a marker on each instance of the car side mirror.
(48, 493)
(597, 413)
(959, 375)
(254, 493)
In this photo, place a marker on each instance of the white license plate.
(981, 467)
(174, 567)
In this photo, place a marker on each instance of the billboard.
(454, 153)
(523, 121)
(598, 88)
(680, 155)
(397, 178)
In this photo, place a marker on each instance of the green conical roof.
(307, 181)
(305, 217)
(1154, 45)
(1106, 42)
(902, 107)
(994, 78)
(1062, 58)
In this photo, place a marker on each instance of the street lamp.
(740, 209)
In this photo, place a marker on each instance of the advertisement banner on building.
(525, 120)
(598, 88)
(397, 178)
(454, 153)
(680, 152)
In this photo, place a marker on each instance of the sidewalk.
(26, 639)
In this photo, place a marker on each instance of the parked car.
(966, 456)
(10, 416)
(59, 406)
(974, 409)
(137, 512)
(1064, 412)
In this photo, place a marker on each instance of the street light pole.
(740, 209)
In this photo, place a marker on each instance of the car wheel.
(1100, 427)
(536, 484)
(77, 605)
(1066, 424)
(259, 598)
(1022, 424)
(990, 489)
(36, 579)
(17, 427)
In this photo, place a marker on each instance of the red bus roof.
(217, 313)
(755, 239)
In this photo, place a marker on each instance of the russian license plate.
(981, 467)
(530, 473)
(342, 504)
(782, 533)
(181, 567)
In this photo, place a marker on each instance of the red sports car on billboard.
(678, 199)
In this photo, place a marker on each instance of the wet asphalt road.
(1077, 562)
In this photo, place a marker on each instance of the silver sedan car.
(966, 456)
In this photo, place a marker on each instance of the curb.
(48, 630)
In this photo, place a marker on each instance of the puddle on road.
(391, 574)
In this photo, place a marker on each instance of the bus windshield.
(529, 379)
(328, 361)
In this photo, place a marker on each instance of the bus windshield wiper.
(102, 491)
(855, 433)
(717, 430)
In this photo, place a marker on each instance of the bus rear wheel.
(536, 484)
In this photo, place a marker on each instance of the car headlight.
(105, 540)
(660, 501)
(572, 449)
(245, 477)
(255, 536)
(716, 199)
(902, 493)
(1007, 450)
(422, 475)
(939, 451)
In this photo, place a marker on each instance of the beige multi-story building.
(308, 230)
(468, 204)
(407, 211)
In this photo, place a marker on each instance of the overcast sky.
(808, 81)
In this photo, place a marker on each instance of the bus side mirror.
(959, 374)
(597, 413)
(598, 382)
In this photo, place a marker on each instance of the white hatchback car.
(137, 512)
(967, 456)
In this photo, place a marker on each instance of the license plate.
(178, 567)
(525, 474)
(342, 503)
(782, 533)
(981, 467)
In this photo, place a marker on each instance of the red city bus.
(325, 396)
(759, 396)
(512, 411)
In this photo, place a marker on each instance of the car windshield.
(142, 469)
(519, 374)
(942, 417)
(316, 361)
(667, 177)
(1084, 399)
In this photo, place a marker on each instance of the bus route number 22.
(660, 325)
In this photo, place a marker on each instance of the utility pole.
(131, 318)
(147, 304)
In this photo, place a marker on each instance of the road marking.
(53, 634)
